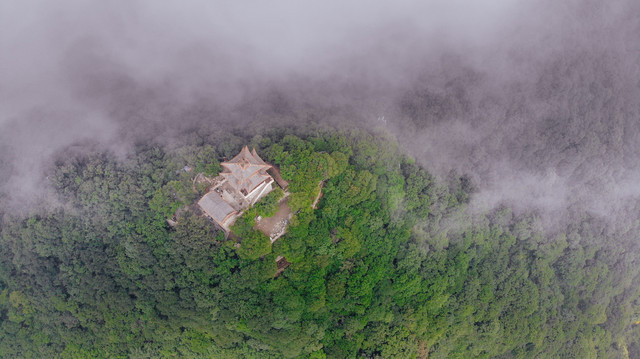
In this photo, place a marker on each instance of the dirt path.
(315, 202)
(273, 225)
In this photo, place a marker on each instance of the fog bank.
(537, 101)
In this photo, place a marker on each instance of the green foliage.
(268, 206)
(387, 266)
(254, 245)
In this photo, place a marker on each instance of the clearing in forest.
(275, 226)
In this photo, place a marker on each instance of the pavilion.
(244, 181)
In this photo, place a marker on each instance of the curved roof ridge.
(245, 169)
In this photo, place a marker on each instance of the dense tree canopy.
(388, 265)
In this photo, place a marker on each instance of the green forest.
(391, 264)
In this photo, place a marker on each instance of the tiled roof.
(257, 158)
(247, 156)
(246, 170)
(216, 207)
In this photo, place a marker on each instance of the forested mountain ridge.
(389, 265)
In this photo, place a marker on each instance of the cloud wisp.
(538, 103)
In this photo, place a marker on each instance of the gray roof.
(257, 158)
(246, 170)
(216, 207)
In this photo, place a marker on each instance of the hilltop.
(386, 263)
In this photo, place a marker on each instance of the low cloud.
(538, 103)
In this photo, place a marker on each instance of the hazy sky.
(537, 100)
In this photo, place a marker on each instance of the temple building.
(242, 183)
(247, 174)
